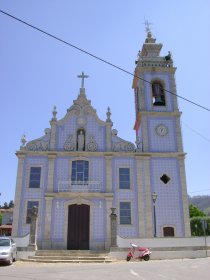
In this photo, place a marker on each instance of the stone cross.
(82, 76)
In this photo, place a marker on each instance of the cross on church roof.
(82, 76)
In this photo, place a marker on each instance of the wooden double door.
(78, 227)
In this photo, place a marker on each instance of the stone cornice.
(51, 155)
(156, 69)
(161, 114)
(20, 154)
(73, 195)
(108, 155)
(140, 70)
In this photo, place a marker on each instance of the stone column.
(33, 229)
(108, 224)
(108, 174)
(140, 189)
(185, 204)
(145, 142)
(141, 95)
(148, 195)
(108, 136)
(108, 131)
(46, 243)
(179, 135)
(18, 192)
(113, 220)
(51, 162)
(173, 89)
(53, 124)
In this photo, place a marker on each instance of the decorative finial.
(54, 113)
(82, 76)
(108, 114)
(23, 141)
(168, 57)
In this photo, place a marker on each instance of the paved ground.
(187, 269)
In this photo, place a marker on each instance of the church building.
(81, 168)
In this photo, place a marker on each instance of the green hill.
(202, 202)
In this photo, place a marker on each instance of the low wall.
(21, 241)
(23, 251)
(165, 248)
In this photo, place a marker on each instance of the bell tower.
(158, 136)
(157, 115)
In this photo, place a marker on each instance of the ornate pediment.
(40, 144)
(120, 145)
(70, 143)
(82, 106)
(92, 146)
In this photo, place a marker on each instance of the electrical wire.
(196, 132)
(96, 57)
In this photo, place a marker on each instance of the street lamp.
(154, 197)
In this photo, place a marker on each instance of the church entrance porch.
(78, 227)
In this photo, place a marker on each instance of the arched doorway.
(78, 227)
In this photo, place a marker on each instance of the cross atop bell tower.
(147, 25)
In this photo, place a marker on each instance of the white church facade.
(81, 168)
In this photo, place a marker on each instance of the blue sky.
(37, 72)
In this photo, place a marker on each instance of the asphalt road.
(198, 269)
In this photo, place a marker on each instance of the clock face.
(162, 130)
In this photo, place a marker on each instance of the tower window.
(165, 179)
(158, 94)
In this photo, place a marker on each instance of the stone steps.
(67, 256)
(69, 253)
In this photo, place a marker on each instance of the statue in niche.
(81, 141)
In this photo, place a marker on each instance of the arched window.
(158, 94)
(80, 140)
(168, 231)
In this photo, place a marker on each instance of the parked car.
(8, 250)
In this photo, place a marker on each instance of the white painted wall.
(21, 241)
(164, 242)
(165, 248)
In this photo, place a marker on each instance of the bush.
(200, 226)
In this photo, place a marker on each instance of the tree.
(207, 211)
(11, 204)
(0, 219)
(7, 205)
(195, 211)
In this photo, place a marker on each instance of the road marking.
(136, 274)
(162, 276)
